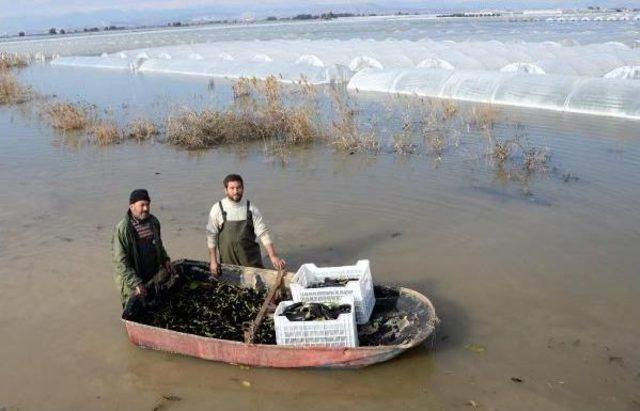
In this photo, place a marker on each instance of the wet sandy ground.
(547, 284)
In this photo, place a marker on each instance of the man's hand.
(214, 267)
(140, 290)
(277, 262)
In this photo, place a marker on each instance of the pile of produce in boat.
(213, 309)
(315, 311)
(392, 322)
(388, 328)
(332, 282)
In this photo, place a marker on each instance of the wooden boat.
(263, 355)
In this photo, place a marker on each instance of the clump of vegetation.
(106, 132)
(516, 160)
(11, 91)
(449, 109)
(300, 127)
(67, 116)
(12, 60)
(403, 141)
(281, 118)
(423, 125)
(346, 134)
(242, 88)
(258, 114)
(142, 130)
(195, 130)
(436, 142)
(484, 116)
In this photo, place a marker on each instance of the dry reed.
(258, 114)
(106, 132)
(484, 116)
(516, 160)
(11, 91)
(142, 130)
(67, 116)
(345, 134)
(13, 60)
(449, 109)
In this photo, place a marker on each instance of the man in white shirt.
(233, 228)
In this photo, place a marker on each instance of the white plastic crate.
(341, 332)
(361, 290)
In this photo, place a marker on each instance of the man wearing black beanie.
(139, 257)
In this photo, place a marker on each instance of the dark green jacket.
(126, 264)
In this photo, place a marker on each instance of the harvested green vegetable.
(314, 311)
(209, 308)
(332, 282)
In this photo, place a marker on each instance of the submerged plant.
(13, 60)
(11, 91)
(258, 114)
(484, 116)
(346, 133)
(67, 116)
(106, 132)
(516, 160)
(142, 130)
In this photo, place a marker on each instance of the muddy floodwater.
(537, 292)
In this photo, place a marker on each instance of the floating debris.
(315, 311)
(475, 348)
(614, 359)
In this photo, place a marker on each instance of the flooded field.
(537, 289)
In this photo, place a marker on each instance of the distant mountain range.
(40, 21)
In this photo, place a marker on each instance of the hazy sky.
(13, 8)
(39, 14)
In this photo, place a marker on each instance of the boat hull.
(256, 355)
(278, 356)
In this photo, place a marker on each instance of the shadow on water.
(451, 333)
(364, 388)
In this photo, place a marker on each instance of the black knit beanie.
(139, 195)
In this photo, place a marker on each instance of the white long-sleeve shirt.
(235, 212)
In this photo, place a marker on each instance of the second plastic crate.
(361, 290)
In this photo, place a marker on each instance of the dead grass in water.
(484, 116)
(13, 60)
(67, 116)
(105, 132)
(142, 130)
(198, 130)
(346, 133)
(281, 118)
(11, 91)
(258, 114)
(515, 160)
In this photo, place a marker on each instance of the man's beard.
(235, 198)
(142, 216)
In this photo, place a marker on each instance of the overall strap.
(224, 213)
(249, 213)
